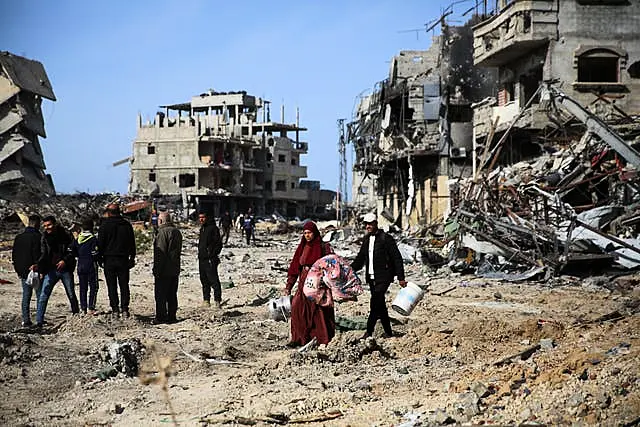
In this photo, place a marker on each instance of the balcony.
(298, 171)
(522, 26)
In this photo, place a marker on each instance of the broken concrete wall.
(23, 84)
(415, 131)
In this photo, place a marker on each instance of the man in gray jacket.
(166, 269)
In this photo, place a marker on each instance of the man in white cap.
(381, 258)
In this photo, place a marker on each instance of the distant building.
(23, 84)
(223, 150)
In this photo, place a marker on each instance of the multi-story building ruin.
(23, 84)
(224, 150)
(589, 50)
(414, 132)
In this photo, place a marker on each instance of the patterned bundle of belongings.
(331, 278)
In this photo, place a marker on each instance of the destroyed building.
(414, 132)
(555, 173)
(222, 149)
(23, 84)
(587, 48)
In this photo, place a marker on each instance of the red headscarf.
(310, 251)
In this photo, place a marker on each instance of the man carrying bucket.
(381, 258)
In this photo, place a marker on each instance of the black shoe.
(157, 322)
(27, 324)
(365, 336)
(292, 344)
(125, 313)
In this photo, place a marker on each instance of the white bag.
(33, 279)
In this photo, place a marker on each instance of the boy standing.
(85, 248)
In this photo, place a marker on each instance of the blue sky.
(109, 61)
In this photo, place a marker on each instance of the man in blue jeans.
(56, 263)
(25, 255)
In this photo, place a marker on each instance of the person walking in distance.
(56, 263)
(25, 254)
(209, 247)
(248, 225)
(85, 249)
(381, 258)
(225, 226)
(167, 248)
(117, 254)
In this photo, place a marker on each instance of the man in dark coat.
(25, 255)
(209, 247)
(225, 225)
(381, 258)
(56, 263)
(167, 247)
(117, 254)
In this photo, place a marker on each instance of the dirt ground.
(451, 365)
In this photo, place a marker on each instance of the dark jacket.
(26, 251)
(225, 221)
(167, 248)
(116, 240)
(209, 243)
(85, 249)
(387, 261)
(56, 247)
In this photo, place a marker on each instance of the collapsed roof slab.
(27, 74)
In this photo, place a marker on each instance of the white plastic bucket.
(280, 308)
(407, 299)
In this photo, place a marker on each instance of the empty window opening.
(186, 180)
(598, 67)
(282, 158)
(294, 161)
(270, 142)
(281, 186)
(151, 149)
(152, 177)
(293, 185)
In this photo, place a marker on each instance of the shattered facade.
(574, 44)
(555, 183)
(23, 84)
(414, 132)
(222, 149)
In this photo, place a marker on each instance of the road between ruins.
(474, 351)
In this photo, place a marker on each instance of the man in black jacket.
(56, 263)
(381, 258)
(209, 247)
(25, 255)
(117, 254)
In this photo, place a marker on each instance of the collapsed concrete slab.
(23, 84)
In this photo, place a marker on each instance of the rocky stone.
(480, 389)
(468, 404)
(575, 400)
(547, 343)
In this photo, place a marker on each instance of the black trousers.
(378, 307)
(225, 234)
(209, 279)
(116, 273)
(166, 293)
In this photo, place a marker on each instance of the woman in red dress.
(308, 320)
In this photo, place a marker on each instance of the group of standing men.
(52, 256)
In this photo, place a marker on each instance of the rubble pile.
(575, 205)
